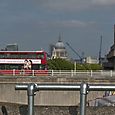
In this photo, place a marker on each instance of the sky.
(35, 24)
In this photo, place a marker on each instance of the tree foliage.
(62, 64)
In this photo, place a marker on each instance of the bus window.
(33, 56)
(40, 56)
(12, 56)
(2, 56)
(41, 67)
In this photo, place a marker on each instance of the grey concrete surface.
(16, 109)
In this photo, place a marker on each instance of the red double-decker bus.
(22, 61)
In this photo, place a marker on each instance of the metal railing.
(59, 73)
(90, 73)
(83, 88)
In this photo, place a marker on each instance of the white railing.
(59, 73)
(72, 73)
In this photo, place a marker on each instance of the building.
(11, 47)
(111, 56)
(51, 49)
(90, 60)
(59, 50)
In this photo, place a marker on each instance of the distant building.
(59, 50)
(11, 47)
(90, 60)
(51, 49)
(111, 56)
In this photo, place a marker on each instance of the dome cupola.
(59, 44)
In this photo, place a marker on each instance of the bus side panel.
(24, 72)
(10, 72)
(6, 72)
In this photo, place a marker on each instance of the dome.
(59, 45)
(59, 50)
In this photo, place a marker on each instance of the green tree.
(62, 64)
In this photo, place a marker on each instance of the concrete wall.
(46, 98)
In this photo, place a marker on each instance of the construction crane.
(81, 59)
(100, 49)
(74, 51)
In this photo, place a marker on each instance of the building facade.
(111, 56)
(90, 60)
(11, 47)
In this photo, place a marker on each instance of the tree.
(62, 64)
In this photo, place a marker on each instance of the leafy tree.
(62, 64)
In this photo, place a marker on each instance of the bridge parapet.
(51, 98)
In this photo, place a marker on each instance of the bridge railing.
(81, 72)
(60, 73)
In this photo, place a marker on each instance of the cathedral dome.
(59, 50)
(59, 44)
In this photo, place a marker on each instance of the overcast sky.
(35, 24)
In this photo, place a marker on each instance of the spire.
(59, 44)
(59, 40)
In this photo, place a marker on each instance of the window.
(40, 56)
(32, 56)
(2, 55)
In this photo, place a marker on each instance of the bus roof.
(22, 51)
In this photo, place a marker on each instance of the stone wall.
(43, 98)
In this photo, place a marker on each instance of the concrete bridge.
(49, 98)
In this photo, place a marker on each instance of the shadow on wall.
(4, 111)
